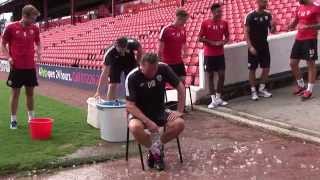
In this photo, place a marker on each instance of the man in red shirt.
(214, 34)
(305, 46)
(172, 43)
(18, 46)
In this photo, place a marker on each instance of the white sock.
(310, 87)
(30, 115)
(13, 118)
(213, 98)
(218, 95)
(253, 89)
(262, 87)
(156, 143)
(300, 83)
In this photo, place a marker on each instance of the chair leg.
(179, 149)
(127, 145)
(165, 96)
(190, 98)
(141, 157)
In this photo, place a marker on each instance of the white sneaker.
(212, 105)
(220, 102)
(254, 96)
(264, 93)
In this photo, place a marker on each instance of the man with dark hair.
(214, 33)
(119, 58)
(172, 46)
(20, 37)
(305, 46)
(257, 26)
(145, 90)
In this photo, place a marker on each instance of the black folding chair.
(140, 149)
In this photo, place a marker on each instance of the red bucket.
(40, 128)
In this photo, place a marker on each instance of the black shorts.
(179, 69)
(262, 58)
(305, 49)
(116, 71)
(214, 63)
(22, 77)
(161, 120)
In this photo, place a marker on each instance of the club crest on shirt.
(151, 84)
(17, 32)
(141, 84)
(159, 78)
(31, 31)
(266, 17)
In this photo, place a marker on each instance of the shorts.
(161, 120)
(179, 69)
(262, 58)
(116, 71)
(214, 63)
(22, 77)
(305, 49)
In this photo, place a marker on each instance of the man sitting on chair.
(145, 90)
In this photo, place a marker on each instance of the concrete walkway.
(282, 110)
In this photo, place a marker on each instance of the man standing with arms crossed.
(18, 45)
(305, 46)
(214, 34)
(257, 26)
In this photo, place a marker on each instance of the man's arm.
(39, 45)
(293, 24)
(39, 52)
(160, 48)
(103, 80)
(226, 35)
(4, 44)
(210, 42)
(184, 51)
(136, 112)
(272, 25)
(248, 40)
(139, 53)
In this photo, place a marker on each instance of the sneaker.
(212, 105)
(220, 102)
(159, 160)
(299, 91)
(306, 95)
(13, 125)
(150, 160)
(264, 93)
(254, 96)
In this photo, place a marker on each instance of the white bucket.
(113, 121)
(92, 116)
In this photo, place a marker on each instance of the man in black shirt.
(257, 26)
(145, 90)
(119, 58)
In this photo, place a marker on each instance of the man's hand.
(253, 50)
(174, 115)
(216, 43)
(152, 127)
(10, 61)
(97, 95)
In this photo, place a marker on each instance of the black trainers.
(159, 160)
(150, 160)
